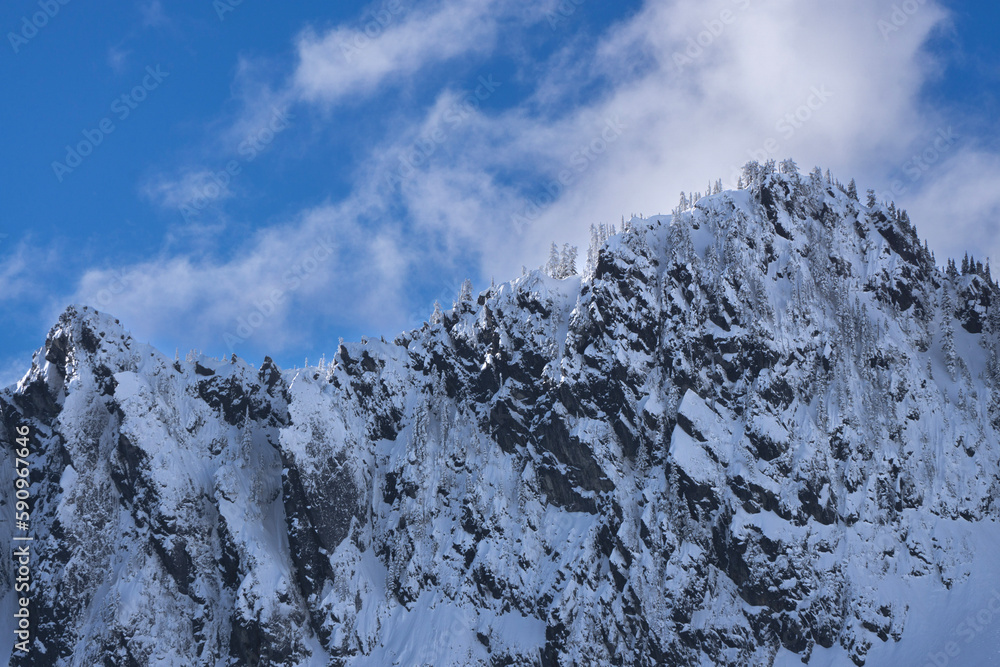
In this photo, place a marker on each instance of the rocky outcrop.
(723, 442)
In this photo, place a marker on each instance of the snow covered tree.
(948, 333)
(751, 174)
(852, 190)
(567, 261)
(905, 225)
(816, 187)
(562, 264)
(592, 251)
(599, 235)
(871, 201)
(437, 317)
(552, 266)
(246, 441)
(465, 293)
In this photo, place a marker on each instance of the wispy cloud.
(678, 94)
(12, 369)
(324, 262)
(19, 265)
(118, 58)
(152, 14)
(389, 44)
(758, 84)
(188, 189)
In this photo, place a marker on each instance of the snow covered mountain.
(763, 430)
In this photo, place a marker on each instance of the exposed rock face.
(726, 440)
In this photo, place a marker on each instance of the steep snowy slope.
(763, 428)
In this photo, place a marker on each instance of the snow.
(436, 632)
(510, 476)
(945, 628)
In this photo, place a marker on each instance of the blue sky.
(264, 180)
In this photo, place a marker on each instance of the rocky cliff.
(734, 436)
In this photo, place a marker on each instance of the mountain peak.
(82, 333)
(740, 435)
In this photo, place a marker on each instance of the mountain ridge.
(700, 453)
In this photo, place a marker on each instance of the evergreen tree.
(465, 294)
(948, 331)
(437, 317)
(852, 190)
(871, 202)
(905, 224)
(592, 251)
(752, 174)
(552, 267)
(246, 440)
(567, 262)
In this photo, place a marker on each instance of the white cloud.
(700, 88)
(190, 188)
(959, 207)
(321, 264)
(21, 266)
(389, 43)
(692, 90)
